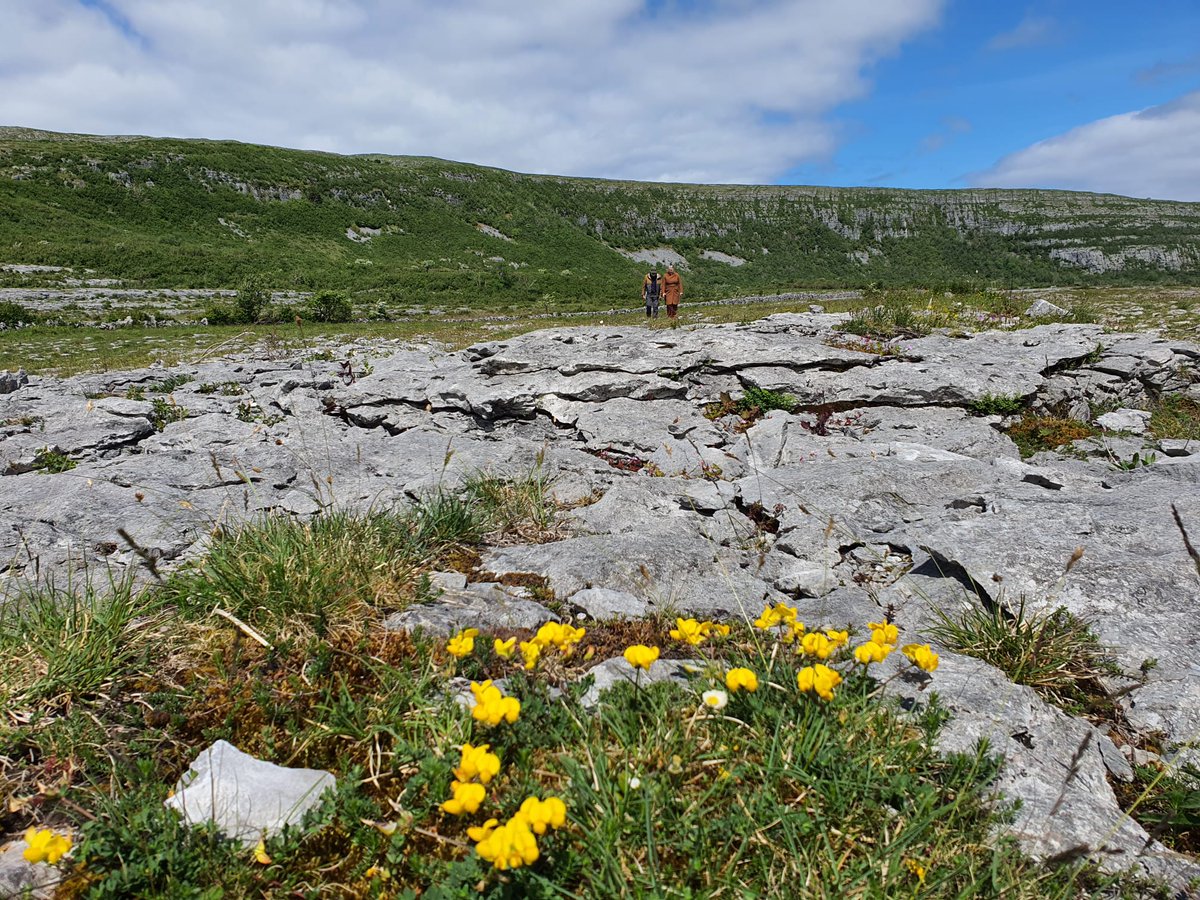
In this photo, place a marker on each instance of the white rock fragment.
(246, 798)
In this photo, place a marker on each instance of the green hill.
(194, 213)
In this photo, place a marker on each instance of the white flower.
(635, 783)
(715, 699)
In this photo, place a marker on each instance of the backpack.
(652, 287)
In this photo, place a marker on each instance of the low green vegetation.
(777, 769)
(400, 230)
(1035, 433)
(1052, 652)
(998, 405)
(1175, 416)
(1166, 800)
(751, 406)
(164, 411)
(52, 461)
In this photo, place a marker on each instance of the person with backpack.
(672, 290)
(651, 291)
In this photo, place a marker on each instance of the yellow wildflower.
(569, 637)
(715, 699)
(378, 872)
(921, 656)
(465, 798)
(819, 679)
(491, 706)
(741, 680)
(640, 656)
(837, 638)
(542, 814)
(479, 833)
(45, 846)
(530, 651)
(477, 763)
(715, 628)
(509, 846)
(463, 643)
(884, 633)
(260, 853)
(690, 631)
(816, 644)
(504, 649)
(916, 868)
(872, 652)
(779, 614)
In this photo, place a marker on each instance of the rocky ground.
(884, 491)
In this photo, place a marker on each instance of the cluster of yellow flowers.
(741, 680)
(514, 844)
(819, 679)
(491, 706)
(884, 637)
(777, 615)
(821, 645)
(45, 846)
(736, 680)
(560, 636)
(640, 656)
(476, 768)
(463, 643)
(696, 633)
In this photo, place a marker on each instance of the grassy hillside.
(175, 213)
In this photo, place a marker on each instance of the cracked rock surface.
(882, 490)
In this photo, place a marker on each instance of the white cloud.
(733, 90)
(1153, 152)
(1029, 32)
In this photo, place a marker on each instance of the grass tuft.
(1055, 653)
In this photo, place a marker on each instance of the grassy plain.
(65, 351)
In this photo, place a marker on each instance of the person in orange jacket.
(672, 287)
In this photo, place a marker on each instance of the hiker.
(672, 288)
(651, 291)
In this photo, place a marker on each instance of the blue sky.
(995, 77)
(1098, 96)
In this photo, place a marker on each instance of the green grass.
(998, 405)
(1054, 652)
(172, 213)
(66, 351)
(1166, 800)
(111, 695)
(1175, 416)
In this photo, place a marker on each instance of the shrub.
(11, 313)
(251, 298)
(330, 306)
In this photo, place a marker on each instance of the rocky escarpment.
(205, 214)
(882, 492)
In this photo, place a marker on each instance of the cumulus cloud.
(1029, 32)
(1153, 152)
(729, 90)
